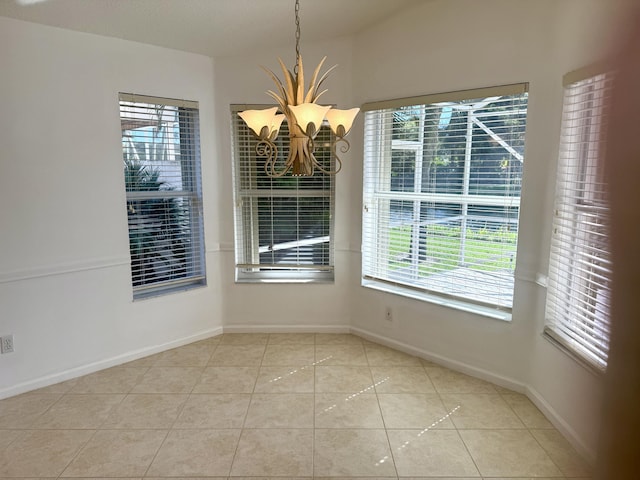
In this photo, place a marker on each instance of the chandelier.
(304, 118)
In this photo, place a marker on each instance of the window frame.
(374, 243)
(191, 192)
(248, 267)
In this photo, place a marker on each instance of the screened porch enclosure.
(444, 204)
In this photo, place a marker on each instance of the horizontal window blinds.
(442, 195)
(283, 226)
(580, 263)
(161, 153)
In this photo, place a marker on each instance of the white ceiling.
(208, 27)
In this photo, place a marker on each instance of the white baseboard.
(444, 361)
(105, 363)
(287, 329)
(563, 427)
(588, 454)
(531, 393)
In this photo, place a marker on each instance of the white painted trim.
(563, 427)
(505, 382)
(63, 269)
(105, 363)
(537, 399)
(444, 361)
(213, 248)
(287, 329)
(227, 247)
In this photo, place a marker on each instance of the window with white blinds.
(283, 226)
(442, 179)
(161, 155)
(578, 289)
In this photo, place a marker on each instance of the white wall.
(65, 289)
(239, 80)
(445, 46)
(449, 45)
(584, 33)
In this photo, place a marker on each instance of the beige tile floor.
(280, 405)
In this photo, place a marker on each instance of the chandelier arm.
(346, 145)
(268, 149)
(328, 172)
(272, 167)
(343, 149)
(274, 174)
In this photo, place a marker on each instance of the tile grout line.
(384, 424)
(97, 429)
(246, 414)
(180, 410)
(313, 431)
(455, 426)
(501, 394)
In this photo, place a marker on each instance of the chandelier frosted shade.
(276, 123)
(309, 117)
(260, 121)
(341, 121)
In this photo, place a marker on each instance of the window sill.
(557, 341)
(168, 290)
(437, 300)
(325, 277)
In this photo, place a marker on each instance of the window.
(283, 226)
(580, 264)
(161, 154)
(442, 178)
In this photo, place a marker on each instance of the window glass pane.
(161, 172)
(294, 226)
(406, 123)
(579, 284)
(442, 197)
(283, 223)
(160, 239)
(403, 170)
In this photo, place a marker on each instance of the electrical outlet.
(388, 315)
(6, 344)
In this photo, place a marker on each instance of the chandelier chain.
(297, 12)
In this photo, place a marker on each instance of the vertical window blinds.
(442, 179)
(580, 264)
(283, 226)
(161, 154)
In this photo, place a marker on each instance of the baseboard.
(441, 360)
(588, 454)
(563, 427)
(102, 364)
(505, 382)
(286, 329)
